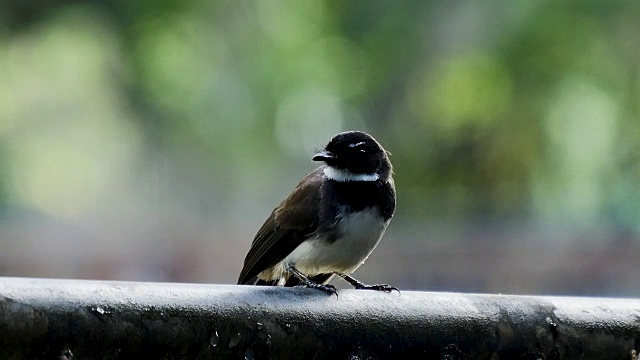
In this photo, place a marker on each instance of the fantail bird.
(330, 222)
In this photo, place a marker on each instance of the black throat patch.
(338, 198)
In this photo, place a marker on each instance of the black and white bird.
(330, 223)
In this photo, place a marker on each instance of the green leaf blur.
(151, 138)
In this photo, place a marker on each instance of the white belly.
(360, 233)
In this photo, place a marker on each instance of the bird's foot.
(306, 282)
(330, 289)
(378, 287)
(360, 285)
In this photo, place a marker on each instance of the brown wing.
(290, 224)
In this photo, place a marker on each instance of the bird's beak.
(324, 156)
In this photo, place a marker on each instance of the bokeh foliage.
(495, 111)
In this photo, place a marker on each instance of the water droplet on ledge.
(235, 340)
(215, 340)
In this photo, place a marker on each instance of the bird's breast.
(344, 247)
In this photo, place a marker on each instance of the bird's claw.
(380, 287)
(330, 289)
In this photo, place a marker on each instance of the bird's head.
(355, 156)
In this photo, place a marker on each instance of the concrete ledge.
(44, 318)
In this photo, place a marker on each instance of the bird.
(331, 221)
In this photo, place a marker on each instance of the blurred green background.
(148, 140)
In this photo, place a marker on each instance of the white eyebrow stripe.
(356, 144)
(340, 175)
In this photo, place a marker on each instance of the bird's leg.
(311, 284)
(359, 285)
